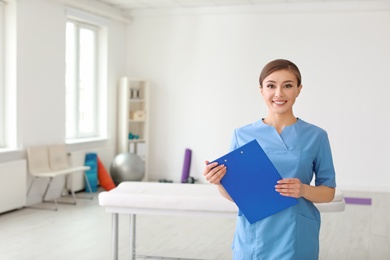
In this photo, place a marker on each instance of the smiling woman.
(279, 90)
(299, 151)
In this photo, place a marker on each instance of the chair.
(50, 162)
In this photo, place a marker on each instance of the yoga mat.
(186, 166)
(358, 201)
(91, 161)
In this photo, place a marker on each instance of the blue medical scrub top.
(300, 151)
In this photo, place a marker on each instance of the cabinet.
(13, 185)
(133, 118)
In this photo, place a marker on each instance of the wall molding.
(290, 7)
(97, 8)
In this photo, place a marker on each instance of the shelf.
(136, 141)
(137, 100)
(133, 118)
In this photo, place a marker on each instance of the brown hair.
(279, 65)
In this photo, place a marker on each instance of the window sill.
(85, 140)
(10, 150)
(11, 154)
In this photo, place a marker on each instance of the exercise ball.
(127, 167)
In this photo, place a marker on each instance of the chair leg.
(89, 188)
(73, 196)
(88, 185)
(46, 190)
(70, 176)
(56, 202)
(44, 195)
(31, 184)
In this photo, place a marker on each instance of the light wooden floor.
(84, 232)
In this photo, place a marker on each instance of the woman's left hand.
(291, 187)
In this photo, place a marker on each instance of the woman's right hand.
(213, 172)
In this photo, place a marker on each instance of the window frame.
(2, 77)
(8, 83)
(97, 24)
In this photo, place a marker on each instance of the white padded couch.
(173, 199)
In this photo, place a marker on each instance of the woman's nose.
(279, 92)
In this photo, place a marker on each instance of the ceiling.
(128, 5)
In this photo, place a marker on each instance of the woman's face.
(280, 89)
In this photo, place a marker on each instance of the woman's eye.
(270, 86)
(288, 86)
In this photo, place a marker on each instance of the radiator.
(12, 185)
(105, 154)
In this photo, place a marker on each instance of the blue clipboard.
(250, 181)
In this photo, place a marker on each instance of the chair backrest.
(38, 159)
(58, 158)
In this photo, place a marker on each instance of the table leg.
(114, 236)
(132, 236)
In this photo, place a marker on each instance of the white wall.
(40, 81)
(204, 69)
(41, 71)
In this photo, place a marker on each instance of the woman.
(299, 151)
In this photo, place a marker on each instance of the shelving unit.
(133, 118)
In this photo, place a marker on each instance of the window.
(2, 81)
(85, 85)
(8, 132)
